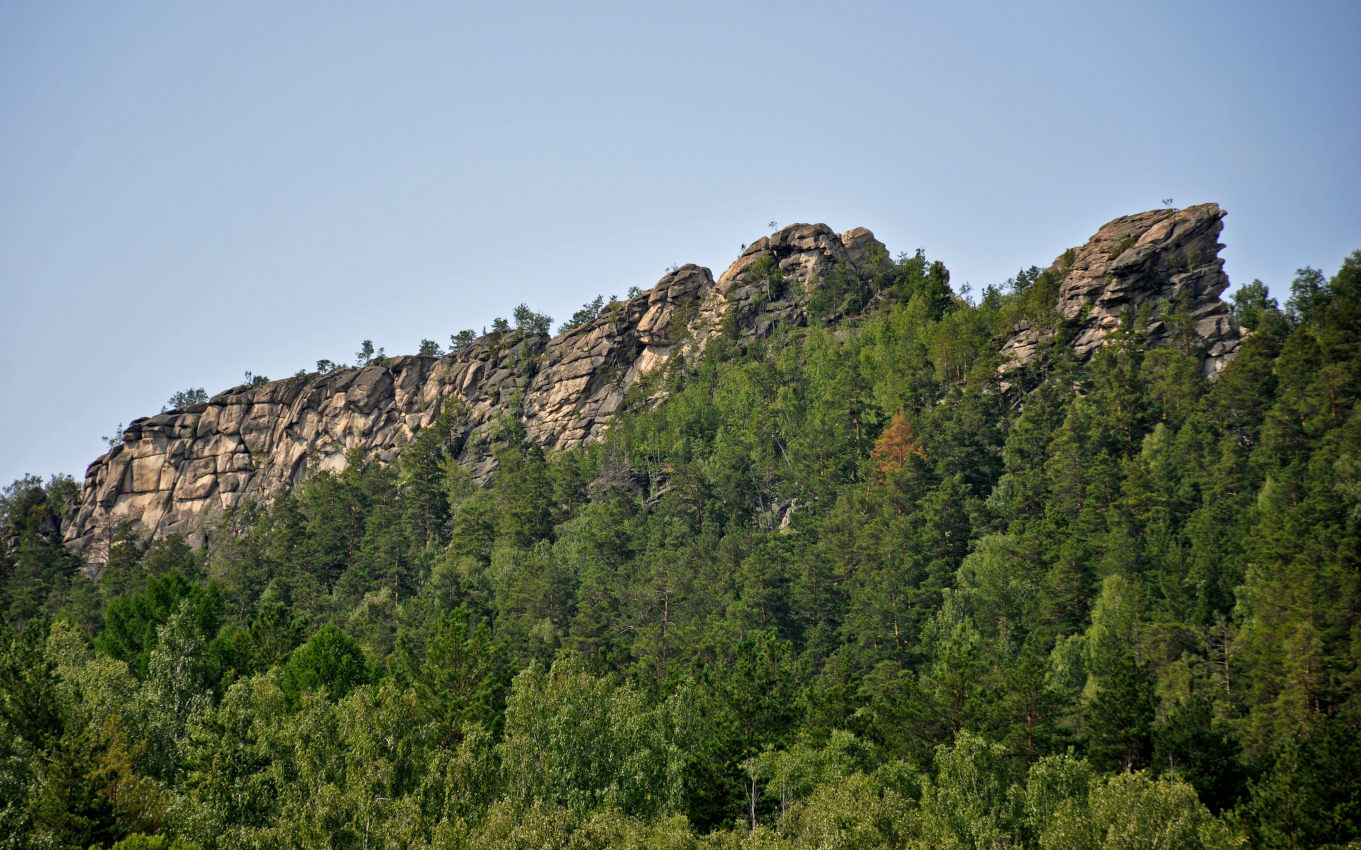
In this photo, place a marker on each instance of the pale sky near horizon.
(189, 191)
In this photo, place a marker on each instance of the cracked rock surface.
(1158, 260)
(179, 471)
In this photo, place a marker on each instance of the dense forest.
(852, 585)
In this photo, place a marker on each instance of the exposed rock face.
(583, 375)
(180, 470)
(770, 284)
(1168, 256)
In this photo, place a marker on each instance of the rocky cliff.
(1160, 261)
(772, 282)
(180, 470)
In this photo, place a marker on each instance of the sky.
(191, 191)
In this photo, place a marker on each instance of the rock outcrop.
(1164, 260)
(178, 472)
(582, 376)
(768, 285)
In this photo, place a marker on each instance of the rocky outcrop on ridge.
(1160, 259)
(770, 284)
(179, 471)
(582, 376)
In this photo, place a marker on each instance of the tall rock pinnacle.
(1160, 258)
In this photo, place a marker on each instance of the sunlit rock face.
(179, 471)
(771, 284)
(1159, 261)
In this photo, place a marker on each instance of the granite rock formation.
(771, 283)
(1160, 260)
(582, 376)
(179, 471)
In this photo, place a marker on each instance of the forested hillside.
(853, 584)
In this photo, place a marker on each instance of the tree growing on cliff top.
(184, 398)
(366, 354)
(588, 313)
(461, 340)
(527, 320)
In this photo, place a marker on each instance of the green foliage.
(263, 642)
(187, 398)
(1301, 802)
(331, 663)
(65, 715)
(115, 438)
(461, 340)
(1129, 810)
(581, 742)
(36, 573)
(968, 802)
(1309, 292)
(457, 671)
(1120, 710)
(1253, 307)
(851, 586)
(132, 620)
(1122, 246)
(588, 313)
(529, 321)
(367, 354)
(153, 842)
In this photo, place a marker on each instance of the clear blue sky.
(192, 190)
